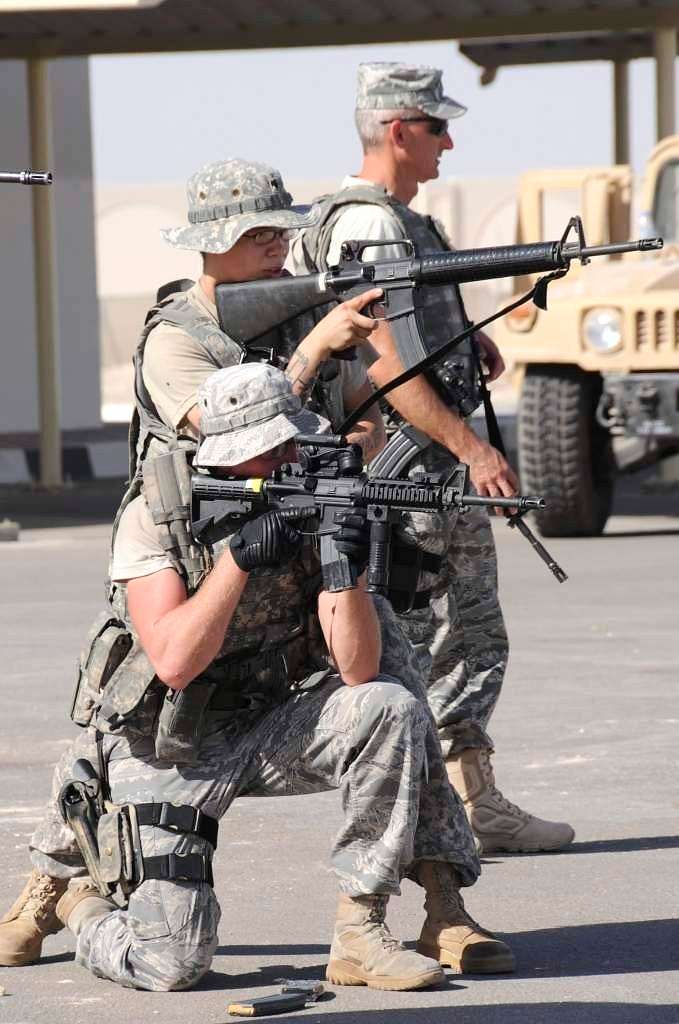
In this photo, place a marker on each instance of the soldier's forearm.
(352, 632)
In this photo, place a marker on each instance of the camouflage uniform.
(460, 634)
(376, 742)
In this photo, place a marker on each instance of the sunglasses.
(264, 236)
(435, 125)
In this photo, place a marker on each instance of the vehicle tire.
(564, 454)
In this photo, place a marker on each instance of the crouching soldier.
(209, 685)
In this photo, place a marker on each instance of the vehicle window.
(666, 208)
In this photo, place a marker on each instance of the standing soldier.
(402, 119)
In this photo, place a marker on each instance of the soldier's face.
(424, 149)
(248, 260)
(256, 260)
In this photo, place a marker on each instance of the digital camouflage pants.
(460, 636)
(375, 742)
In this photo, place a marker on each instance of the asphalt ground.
(585, 731)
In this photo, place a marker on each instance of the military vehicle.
(600, 368)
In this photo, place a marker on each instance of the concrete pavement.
(586, 730)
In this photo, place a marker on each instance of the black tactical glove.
(353, 537)
(268, 540)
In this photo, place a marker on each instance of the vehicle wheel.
(564, 455)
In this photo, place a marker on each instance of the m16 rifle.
(329, 479)
(250, 310)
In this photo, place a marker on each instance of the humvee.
(599, 369)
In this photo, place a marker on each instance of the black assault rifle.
(329, 479)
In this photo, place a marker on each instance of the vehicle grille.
(657, 330)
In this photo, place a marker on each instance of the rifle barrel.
(525, 503)
(488, 263)
(26, 177)
(573, 251)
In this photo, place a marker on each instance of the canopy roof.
(513, 50)
(260, 24)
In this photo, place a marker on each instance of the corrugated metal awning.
(577, 46)
(252, 24)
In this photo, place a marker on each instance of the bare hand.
(490, 355)
(345, 325)
(490, 473)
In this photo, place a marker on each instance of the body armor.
(455, 377)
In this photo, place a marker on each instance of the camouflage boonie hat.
(233, 196)
(246, 411)
(386, 85)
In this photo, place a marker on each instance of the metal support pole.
(46, 299)
(621, 111)
(665, 46)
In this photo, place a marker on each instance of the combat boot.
(81, 902)
(30, 919)
(449, 934)
(498, 824)
(364, 952)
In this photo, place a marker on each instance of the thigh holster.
(109, 836)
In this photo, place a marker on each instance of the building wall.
(77, 293)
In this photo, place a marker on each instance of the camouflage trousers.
(459, 636)
(375, 742)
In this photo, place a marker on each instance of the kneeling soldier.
(216, 684)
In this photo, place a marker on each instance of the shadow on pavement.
(617, 947)
(630, 845)
(625, 947)
(508, 1013)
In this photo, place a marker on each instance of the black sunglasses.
(436, 125)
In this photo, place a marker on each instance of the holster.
(82, 806)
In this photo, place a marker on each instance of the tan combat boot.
(498, 824)
(364, 952)
(81, 902)
(32, 917)
(449, 934)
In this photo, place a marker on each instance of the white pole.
(46, 300)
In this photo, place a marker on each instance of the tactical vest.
(117, 686)
(166, 481)
(443, 314)
(274, 640)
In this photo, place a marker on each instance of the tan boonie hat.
(387, 85)
(247, 410)
(233, 196)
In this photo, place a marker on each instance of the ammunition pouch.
(407, 561)
(181, 722)
(180, 726)
(108, 644)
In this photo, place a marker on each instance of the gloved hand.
(268, 540)
(353, 537)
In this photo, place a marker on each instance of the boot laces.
(381, 928)
(455, 906)
(497, 795)
(41, 899)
